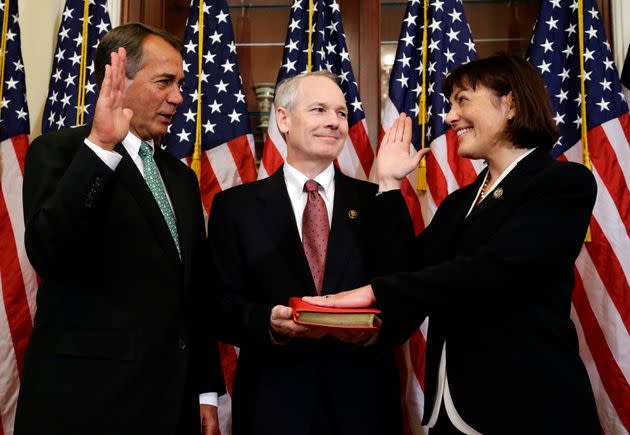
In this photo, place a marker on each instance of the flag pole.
(309, 63)
(196, 156)
(422, 114)
(3, 52)
(80, 119)
(586, 159)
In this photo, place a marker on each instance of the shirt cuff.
(209, 399)
(110, 158)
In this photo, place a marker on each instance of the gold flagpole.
(3, 48)
(309, 63)
(586, 159)
(80, 120)
(422, 113)
(196, 157)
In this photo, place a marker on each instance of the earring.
(510, 117)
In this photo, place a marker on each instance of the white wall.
(39, 23)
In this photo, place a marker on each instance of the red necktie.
(315, 233)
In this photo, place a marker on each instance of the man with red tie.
(302, 231)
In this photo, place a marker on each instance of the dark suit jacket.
(497, 286)
(115, 345)
(259, 262)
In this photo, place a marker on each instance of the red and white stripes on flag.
(212, 119)
(18, 281)
(601, 297)
(328, 51)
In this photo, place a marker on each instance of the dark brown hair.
(533, 124)
(130, 36)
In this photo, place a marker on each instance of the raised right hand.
(394, 162)
(111, 119)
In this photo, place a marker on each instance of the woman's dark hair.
(533, 124)
(130, 36)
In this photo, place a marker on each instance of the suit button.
(181, 343)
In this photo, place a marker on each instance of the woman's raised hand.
(394, 161)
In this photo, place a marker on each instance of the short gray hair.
(130, 36)
(287, 90)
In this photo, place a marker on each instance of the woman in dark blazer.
(494, 269)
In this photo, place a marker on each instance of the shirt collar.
(498, 180)
(295, 179)
(132, 143)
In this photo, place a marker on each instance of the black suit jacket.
(115, 346)
(497, 286)
(306, 385)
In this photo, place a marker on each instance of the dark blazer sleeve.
(544, 232)
(240, 320)
(206, 360)
(64, 182)
(389, 243)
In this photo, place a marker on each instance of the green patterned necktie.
(152, 177)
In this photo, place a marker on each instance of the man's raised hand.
(111, 118)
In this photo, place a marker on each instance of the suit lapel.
(281, 228)
(182, 209)
(511, 185)
(137, 186)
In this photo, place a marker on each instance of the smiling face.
(315, 128)
(153, 93)
(480, 118)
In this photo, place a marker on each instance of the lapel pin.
(498, 193)
(353, 214)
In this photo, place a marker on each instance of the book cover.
(324, 317)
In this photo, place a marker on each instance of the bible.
(324, 317)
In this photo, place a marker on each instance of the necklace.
(483, 192)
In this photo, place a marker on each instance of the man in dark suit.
(114, 227)
(301, 231)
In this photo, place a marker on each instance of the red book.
(324, 317)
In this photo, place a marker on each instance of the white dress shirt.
(295, 181)
(132, 145)
(112, 159)
(442, 386)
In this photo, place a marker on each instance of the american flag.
(217, 108)
(449, 43)
(18, 282)
(214, 106)
(601, 297)
(328, 52)
(72, 87)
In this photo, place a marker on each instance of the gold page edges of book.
(337, 319)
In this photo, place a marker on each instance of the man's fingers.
(122, 69)
(107, 82)
(280, 312)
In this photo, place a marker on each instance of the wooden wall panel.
(150, 12)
